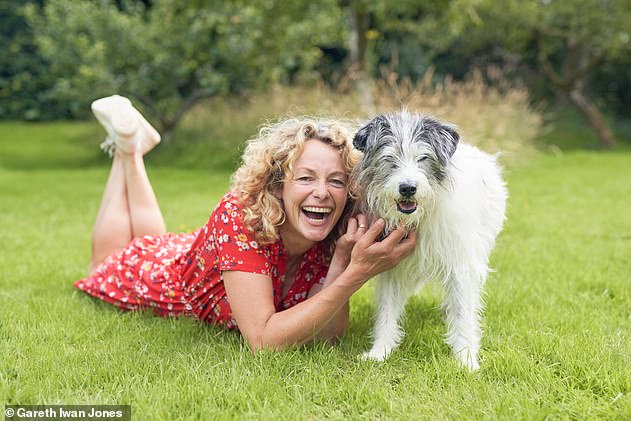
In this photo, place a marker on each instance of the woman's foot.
(127, 130)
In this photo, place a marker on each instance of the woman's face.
(314, 196)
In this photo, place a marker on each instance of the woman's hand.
(356, 228)
(370, 257)
(359, 250)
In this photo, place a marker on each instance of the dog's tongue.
(406, 207)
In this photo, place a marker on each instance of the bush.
(490, 111)
(494, 116)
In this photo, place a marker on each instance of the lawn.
(557, 340)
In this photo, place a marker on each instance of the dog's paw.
(472, 365)
(374, 355)
(466, 360)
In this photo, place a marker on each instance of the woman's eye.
(338, 183)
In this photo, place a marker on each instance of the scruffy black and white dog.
(414, 172)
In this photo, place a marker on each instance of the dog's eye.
(389, 159)
(422, 158)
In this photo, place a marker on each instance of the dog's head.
(405, 161)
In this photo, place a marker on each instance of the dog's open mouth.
(406, 206)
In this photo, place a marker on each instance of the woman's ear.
(276, 182)
(277, 191)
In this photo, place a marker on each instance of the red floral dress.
(181, 274)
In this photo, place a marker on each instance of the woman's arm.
(338, 324)
(336, 327)
(251, 296)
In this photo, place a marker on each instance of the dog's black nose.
(407, 189)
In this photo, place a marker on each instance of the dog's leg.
(391, 297)
(462, 307)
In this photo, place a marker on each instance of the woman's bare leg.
(144, 211)
(112, 229)
(129, 208)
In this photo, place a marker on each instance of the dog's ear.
(445, 142)
(360, 141)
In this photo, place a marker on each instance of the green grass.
(557, 323)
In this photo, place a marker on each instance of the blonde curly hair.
(268, 161)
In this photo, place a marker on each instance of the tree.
(370, 22)
(173, 54)
(24, 77)
(359, 13)
(571, 39)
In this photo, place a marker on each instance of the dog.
(415, 173)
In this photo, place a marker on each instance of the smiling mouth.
(316, 213)
(406, 206)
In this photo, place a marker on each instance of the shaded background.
(568, 62)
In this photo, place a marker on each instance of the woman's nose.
(320, 189)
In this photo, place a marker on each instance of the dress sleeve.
(236, 247)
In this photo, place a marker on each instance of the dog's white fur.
(461, 200)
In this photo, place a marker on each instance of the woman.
(274, 258)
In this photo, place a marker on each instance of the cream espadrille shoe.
(127, 130)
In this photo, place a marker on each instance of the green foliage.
(400, 36)
(456, 35)
(612, 81)
(561, 41)
(173, 54)
(24, 76)
(167, 54)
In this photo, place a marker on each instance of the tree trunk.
(168, 123)
(577, 65)
(594, 117)
(166, 129)
(357, 46)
